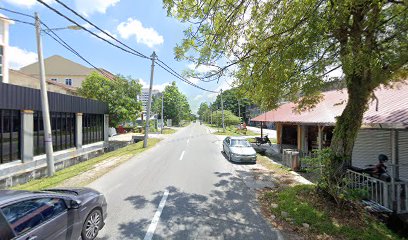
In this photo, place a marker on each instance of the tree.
(284, 50)
(176, 106)
(120, 94)
(202, 110)
(231, 99)
(229, 118)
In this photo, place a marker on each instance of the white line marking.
(182, 155)
(188, 140)
(156, 218)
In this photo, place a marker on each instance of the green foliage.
(70, 172)
(203, 111)
(283, 50)
(120, 94)
(231, 98)
(229, 118)
(176, 106)
(304, 205)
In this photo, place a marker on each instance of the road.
(184, 188)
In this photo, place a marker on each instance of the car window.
(240, 143)
(26, 215)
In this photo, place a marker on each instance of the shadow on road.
(228, 212)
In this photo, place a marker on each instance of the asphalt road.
(184, 188)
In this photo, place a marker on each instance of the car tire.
(258, 144)
(223, 149)
(92, 225)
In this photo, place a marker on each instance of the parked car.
(51, 214)
(238, 149)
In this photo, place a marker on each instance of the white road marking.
(188, 140)
(182, 155)
(156, 218)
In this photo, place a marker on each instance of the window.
(240, 143)
(9, 135)
(26, 215)
(62, 129)
(92, 128)
(68, 81)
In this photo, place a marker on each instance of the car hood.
(243, 150)
(82, 194)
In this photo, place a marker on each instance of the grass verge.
(304, 211)
(67, 173)
(169, 130)
(233, 131)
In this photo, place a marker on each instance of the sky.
(143, 25)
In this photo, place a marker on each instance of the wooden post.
(278, 133)
(299, 137)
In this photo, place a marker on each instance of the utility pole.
(222, 109)
(149, 102)
(162, 116)
(211, 113)
(44, 101)
(239, 110)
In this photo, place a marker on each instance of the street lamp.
(71, 27)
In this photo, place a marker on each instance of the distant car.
(238, 149)
(51, 214)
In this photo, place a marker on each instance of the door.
(41, 218)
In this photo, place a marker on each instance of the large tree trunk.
(349, 123)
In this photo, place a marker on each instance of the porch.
(391, 196)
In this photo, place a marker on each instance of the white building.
(144, 97)
(4, 45)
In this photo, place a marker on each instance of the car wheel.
(92, 225)
(258, 144)
(223, 149)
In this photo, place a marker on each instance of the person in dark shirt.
(380, 170)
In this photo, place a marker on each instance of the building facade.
(4, 46)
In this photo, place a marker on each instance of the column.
(78, 131)
(106, 129)
(319, 136)
(299, 137)
(27, 135)
(278, 133)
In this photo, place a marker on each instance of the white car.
(238, 149)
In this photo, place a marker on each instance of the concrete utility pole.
(239, 110)
(44, 101)
(211, 113)
(162, 116)
(149, 102)
(222, 109)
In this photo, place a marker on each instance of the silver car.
(238, 149)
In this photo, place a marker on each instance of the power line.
(103, 31)
(15, 12)
(92, 33)
(59, 40)
(175, 74)
(17, 20)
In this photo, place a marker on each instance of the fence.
(390, 195)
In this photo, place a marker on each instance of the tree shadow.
(230, 211)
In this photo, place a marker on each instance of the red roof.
(392, 109)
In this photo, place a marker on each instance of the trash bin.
(295, 161)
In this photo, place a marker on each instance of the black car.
(51, 214)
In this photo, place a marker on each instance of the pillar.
(299, 137)
(278, 133)
(27, 135)
(394, 154)
(319, 136)
(106, 129)
(78, 131)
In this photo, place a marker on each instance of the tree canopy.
(176, 106)
(286, 49)
(120, 94)
(233, 101)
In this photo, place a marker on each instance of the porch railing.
(390, 195)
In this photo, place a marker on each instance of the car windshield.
(239, 143)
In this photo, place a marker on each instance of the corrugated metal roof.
(392, 109)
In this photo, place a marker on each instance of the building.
(60, 70)
(21, 79)
(144, 97)
(4, 45)
(384, 131)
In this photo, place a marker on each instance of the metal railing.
(391, 195)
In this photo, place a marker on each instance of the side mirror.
(75, 204)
